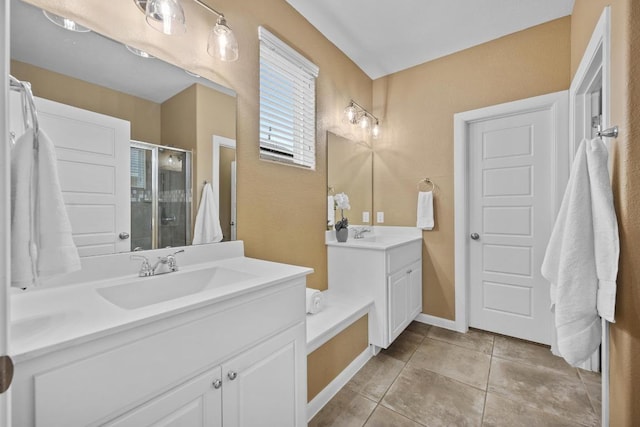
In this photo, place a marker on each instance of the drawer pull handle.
(232, 375)
(217, 384)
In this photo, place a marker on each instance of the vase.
(342, 235)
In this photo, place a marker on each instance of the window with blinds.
(287, 103)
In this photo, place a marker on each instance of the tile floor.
(435, 377)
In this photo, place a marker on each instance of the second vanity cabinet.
(388, 269)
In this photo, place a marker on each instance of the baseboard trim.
(327, 393)
(438, 321)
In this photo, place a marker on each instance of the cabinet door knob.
(217, 384)
(409, 271)
(232, 375)
(475, 236)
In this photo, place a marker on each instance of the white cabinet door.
(398, 291)
(198, 403)
(415, 290)
(261, 386)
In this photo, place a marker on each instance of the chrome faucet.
(358, 233)
(147, 270)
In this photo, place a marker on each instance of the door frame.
(223, 141)
(5, 212)
(596, 59)
(558, 104)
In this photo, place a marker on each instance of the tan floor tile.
(346, 409)
(474, 339)
(594, 391)
(590, 377)
(533, 354)
(434, 400)
(542, 388)
(502, 412)
(376, 376)
(404, 346)
(383, 417)
(419, 328)
(459, 363)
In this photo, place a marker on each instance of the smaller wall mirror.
(350, 171)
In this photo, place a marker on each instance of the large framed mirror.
(134, 135)
(350, 171)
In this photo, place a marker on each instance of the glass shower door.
(142, 198)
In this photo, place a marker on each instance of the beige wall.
(328, 361)
(227, 157)
(144, 115)
(416, 107)
(625, 112)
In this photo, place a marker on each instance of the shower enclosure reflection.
(160, 196)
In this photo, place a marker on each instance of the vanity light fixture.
(167, 16)
(66, 23)
(356, 114)
(139, 52)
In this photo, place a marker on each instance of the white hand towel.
(41, 240)
(425, 210)
(315, 301)
(584, 231)
(331, 211)
(207, 228)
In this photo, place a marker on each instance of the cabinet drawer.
(87, 391)
(403, 256)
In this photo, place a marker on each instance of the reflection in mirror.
(117, 98)
(350, 171)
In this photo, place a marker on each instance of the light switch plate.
(380, 217)
(365, 217)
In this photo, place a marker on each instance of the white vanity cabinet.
(389, 270)
(237, 362)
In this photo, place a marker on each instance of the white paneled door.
(93, 167)
(510, 219)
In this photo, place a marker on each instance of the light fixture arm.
(363, 110)
(210, 9)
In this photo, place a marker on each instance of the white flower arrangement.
(342, 203)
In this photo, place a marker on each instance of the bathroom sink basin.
(145, 291)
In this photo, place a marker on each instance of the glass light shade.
(65, 23)
(165, 16)
(138, 52)
(222, 42)
(375, 131)
(364, 122)
(350, 113)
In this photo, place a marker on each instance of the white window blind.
(287, 103)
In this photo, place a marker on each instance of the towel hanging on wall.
(207, 228)
(581, 260)
(425, 210)
(41, 241)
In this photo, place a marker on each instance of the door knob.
(232, 375)
(475, 236)
(123, 236)
(217, 384)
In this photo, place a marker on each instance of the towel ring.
(426, 181)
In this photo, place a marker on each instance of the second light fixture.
(356, 114)
(167, 16)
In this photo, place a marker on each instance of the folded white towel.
(315, 301)
(425, 210)
(207, 228)
(41, 240)
(331, 211)
(581, 260)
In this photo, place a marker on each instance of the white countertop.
(379, 238)
(44, 320)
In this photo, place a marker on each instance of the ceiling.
(386, 36)
(94, 58)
